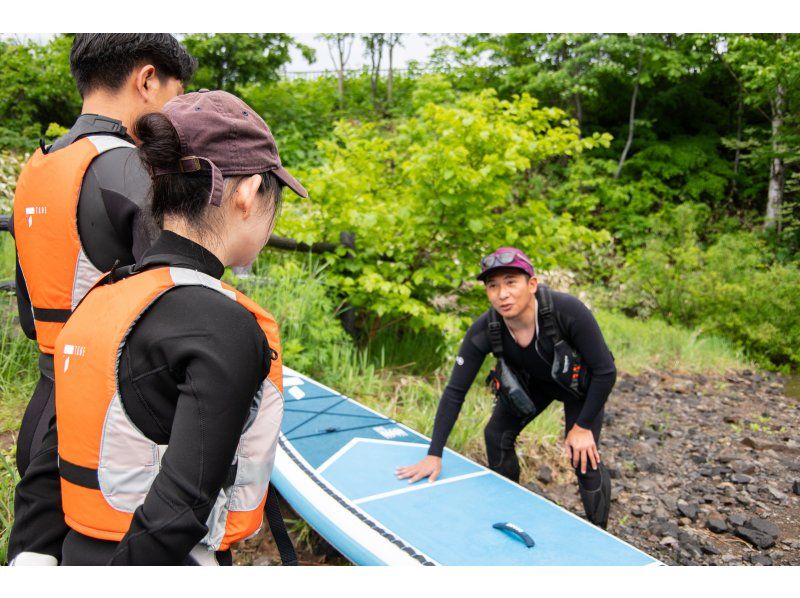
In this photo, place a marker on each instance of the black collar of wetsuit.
(171, 249)
(92, 124)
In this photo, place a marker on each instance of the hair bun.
(160, 146)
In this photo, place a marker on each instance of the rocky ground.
(706, 471)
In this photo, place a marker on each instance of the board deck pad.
(350, 453)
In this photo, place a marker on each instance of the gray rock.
(755, 537)
(744, 466)
(668, 541)
(693, 550)
(717, 525)
(765, 526)
(614, 472)
(737, 520)
(689, 510)
(760, 559)
(545, 474)
(710, 549)
(740, 478)
(775, 493)
(796, 487)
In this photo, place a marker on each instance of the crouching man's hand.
(430, 467)
(581, 449)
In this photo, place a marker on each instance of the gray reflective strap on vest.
(86, 273)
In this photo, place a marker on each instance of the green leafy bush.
(733, 288)
(427, 196)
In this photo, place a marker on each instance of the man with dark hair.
(548, 347)
(77, 212)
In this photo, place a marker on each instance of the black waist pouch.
(507, 388)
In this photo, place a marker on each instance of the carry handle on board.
(517, 531)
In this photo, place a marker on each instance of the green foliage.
(36, 89)
(8, 481)
(732, 289)
(229, 60)
(450, 174)
(18, 366)
(10, 165)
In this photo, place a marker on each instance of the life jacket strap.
(51, 315)
(86, 477)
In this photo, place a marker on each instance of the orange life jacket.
(57, 272)
(106, 464)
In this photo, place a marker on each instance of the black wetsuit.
(112, 226)
(188, 373)
(533, 363)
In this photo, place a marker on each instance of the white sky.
(415, 47)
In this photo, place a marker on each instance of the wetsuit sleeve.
(219, 357)
(473, 351)
(113, 219)
(587, 339)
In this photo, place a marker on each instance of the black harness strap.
(549, 325)
(85, 477)
(278, 528)
(495, 337)
(51, 315)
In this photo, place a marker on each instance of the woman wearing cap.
(511, 287)
(169, 381)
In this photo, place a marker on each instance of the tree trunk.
(772, 220)
(341, 76)
(389, 77)
(628, 143)
(578, 109)
(738, 155)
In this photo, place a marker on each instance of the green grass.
(18, 366)
(8, 480)
(655, 345)
(7, 257)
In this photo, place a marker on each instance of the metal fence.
(280, 243)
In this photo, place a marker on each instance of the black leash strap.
(278, 528)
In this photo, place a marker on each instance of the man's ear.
(146, 81)
(244, 197)
(533, 284)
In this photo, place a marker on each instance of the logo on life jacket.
(70, 350)
(29, 212)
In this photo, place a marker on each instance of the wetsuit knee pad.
(502, 457)
(596, 502)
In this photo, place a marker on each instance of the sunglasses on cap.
(502, 258)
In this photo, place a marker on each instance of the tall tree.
(228, 60)
(374, 44)
(339, 47)
(768, 68)
(392, 41)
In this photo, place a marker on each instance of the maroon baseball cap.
(222, 134)
(505, 257)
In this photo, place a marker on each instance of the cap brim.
(290, 181)
(486, 273)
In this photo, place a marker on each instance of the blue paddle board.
(335, 466)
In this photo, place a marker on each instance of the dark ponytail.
(179, 194)
(186, 194)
